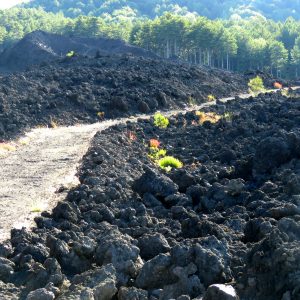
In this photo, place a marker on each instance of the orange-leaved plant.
(278, 85)
(154, 143)
(131, 136)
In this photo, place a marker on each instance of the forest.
(273, 9)
(237, 44)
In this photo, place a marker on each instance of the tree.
(296, 56)
(278, 56)
(256, 85)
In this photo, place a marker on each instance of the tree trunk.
(200, 56)
(175, 48)
(227, 61)
(168, 49)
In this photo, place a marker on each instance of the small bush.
(154, 143)
(192, 101)
(278, 85)
(256, 85)
(161, 121)
(71, 54)
(53, 124)
(156, 154)
(169, 162)
(228, 116)
(211, 98)
(131, 136)
(208, 117)
(101, 115)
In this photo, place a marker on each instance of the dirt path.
(29, 177)
(47, 159)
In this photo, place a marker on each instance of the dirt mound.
(82, 90)
(134, 231)
(39, 46)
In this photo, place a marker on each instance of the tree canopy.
(238, 44)
(274, 9)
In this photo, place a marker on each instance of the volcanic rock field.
(223, 226)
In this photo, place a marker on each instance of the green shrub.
(161, 121)
(71, 54)
(169, 162)
(192, 101)
(211, 98)
(156, 153)
(256, 85)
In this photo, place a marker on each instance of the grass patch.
(228, 116)
(7, 147)
(169, 162)
(211, 98)
(36, 210)
(192, 101)
(208, 117)
(24, 141)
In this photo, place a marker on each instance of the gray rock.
(184, 297)
(9, 291)
(150, 201)
(105, 290)
(88, 285)
(143, 107)
(152, 244)
(118, 249)
(270, 153)
(186, 285)
(6, 269)
(40, 294)
(211, 265)
(220, 292)
(155, 273)
(87, 294)
(155, 184)
(235, 186)
(132, 293)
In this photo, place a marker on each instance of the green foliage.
(228, 116)
(275, 9)
(169, 162)
(192, 101)
(156, 153)
(161, 121)
(240, 44)
(256, 85)
(71, 54)
(211, 98)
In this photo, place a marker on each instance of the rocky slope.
(39, 46)
(133, 231)
(83, 90)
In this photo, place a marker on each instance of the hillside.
(274, 9)
(115, 84)
(39, 47)
(239, 45)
